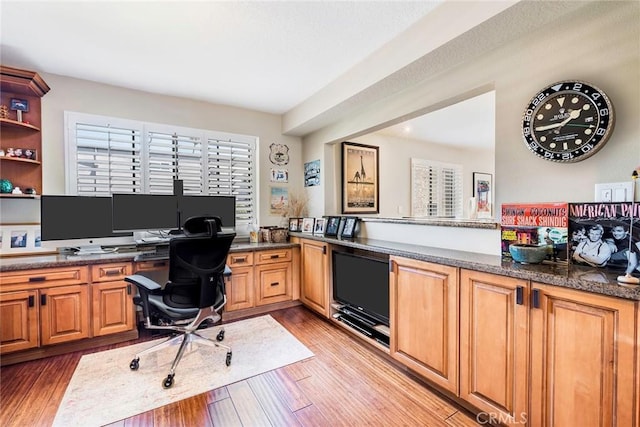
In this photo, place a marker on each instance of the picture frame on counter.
(333, 223)
(295, 224)
(319, 226)
(307, 225)
(21, 239)
(350, 226)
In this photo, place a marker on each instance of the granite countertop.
(591, 279)
(60, 260)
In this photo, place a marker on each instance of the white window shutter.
(436, 189)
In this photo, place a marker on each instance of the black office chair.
(194, 293)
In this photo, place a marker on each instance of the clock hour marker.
(588, 131)
(543, 138)
(552, 145)
(578, 141)
(560, 101)
(548, 106)
(540, 117)
(565, 146)
(575, 100)
(586, 107)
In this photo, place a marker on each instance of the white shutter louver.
(107, 159)
(436, 189)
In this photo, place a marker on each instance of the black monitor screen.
(76, 217)
(220, 206)
(133, 212)
(363, 283)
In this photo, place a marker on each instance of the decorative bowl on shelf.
(528, 254)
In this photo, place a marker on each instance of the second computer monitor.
(138, 212)
(220, 206)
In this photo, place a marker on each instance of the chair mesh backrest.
(196, 267)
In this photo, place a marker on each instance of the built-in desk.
(52, 304)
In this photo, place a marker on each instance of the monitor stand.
(92, 250)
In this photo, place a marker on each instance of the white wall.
(93, 98)
(395, 168)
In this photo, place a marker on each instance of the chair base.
(186, 335)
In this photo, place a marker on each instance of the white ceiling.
(314, 62)
(261, 55)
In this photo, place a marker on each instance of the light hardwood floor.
(346, 383)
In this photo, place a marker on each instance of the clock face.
(567, 122)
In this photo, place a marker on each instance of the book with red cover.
(536, 224)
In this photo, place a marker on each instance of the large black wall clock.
(568, 121)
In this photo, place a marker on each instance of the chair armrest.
(142, 281)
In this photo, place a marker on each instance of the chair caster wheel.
(135, 364)
(228, 361)
(220, 335)
(168, 382)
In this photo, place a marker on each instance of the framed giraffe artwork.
(360, 186)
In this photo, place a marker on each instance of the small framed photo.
(19, 104)
(21, 239)
(307, 225)
(319, 226)
(349, 230)
(343, 220)
(294, 224)
(331, 230)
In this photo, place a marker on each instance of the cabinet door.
(273, 283)
(239, 289)
(19, 324)
(113, 309)
(494, 344)
(582, 359)
(64, 314)
(424, 319)
(314, 286)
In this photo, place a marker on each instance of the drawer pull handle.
(275, 283)
(129, 289)
(159, 264)
(519, 295)
(37, 279)
(112, 272)
(32, 301)
(275, 256)
(43, 299)
(243, 259)
(535, 298)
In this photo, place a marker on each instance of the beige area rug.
(104, 390)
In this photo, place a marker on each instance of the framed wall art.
(482, 192)
(360, 186)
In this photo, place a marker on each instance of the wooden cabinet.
(314, 284)
(19, 321)
(494, 344)
(111, 299)
(43, 307)
(24, 172)
(582, 359)
(260, 278)
(239, 289)
(424, 319)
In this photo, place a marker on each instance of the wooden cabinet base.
(55, 350)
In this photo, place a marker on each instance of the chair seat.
(172, 312)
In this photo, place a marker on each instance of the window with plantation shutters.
(436, 189)
(108, 155)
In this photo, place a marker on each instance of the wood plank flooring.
(346, 383)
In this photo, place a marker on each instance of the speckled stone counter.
(50, 261)
(588, 279)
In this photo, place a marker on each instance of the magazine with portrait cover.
(604, 235)
(536, 224)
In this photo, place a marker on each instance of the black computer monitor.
(220, 206)
(83, 222)
(140, 212)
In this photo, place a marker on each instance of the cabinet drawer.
(110, 272)
(46, 277)
(274, 255)
(240, 259)
(151, 265)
